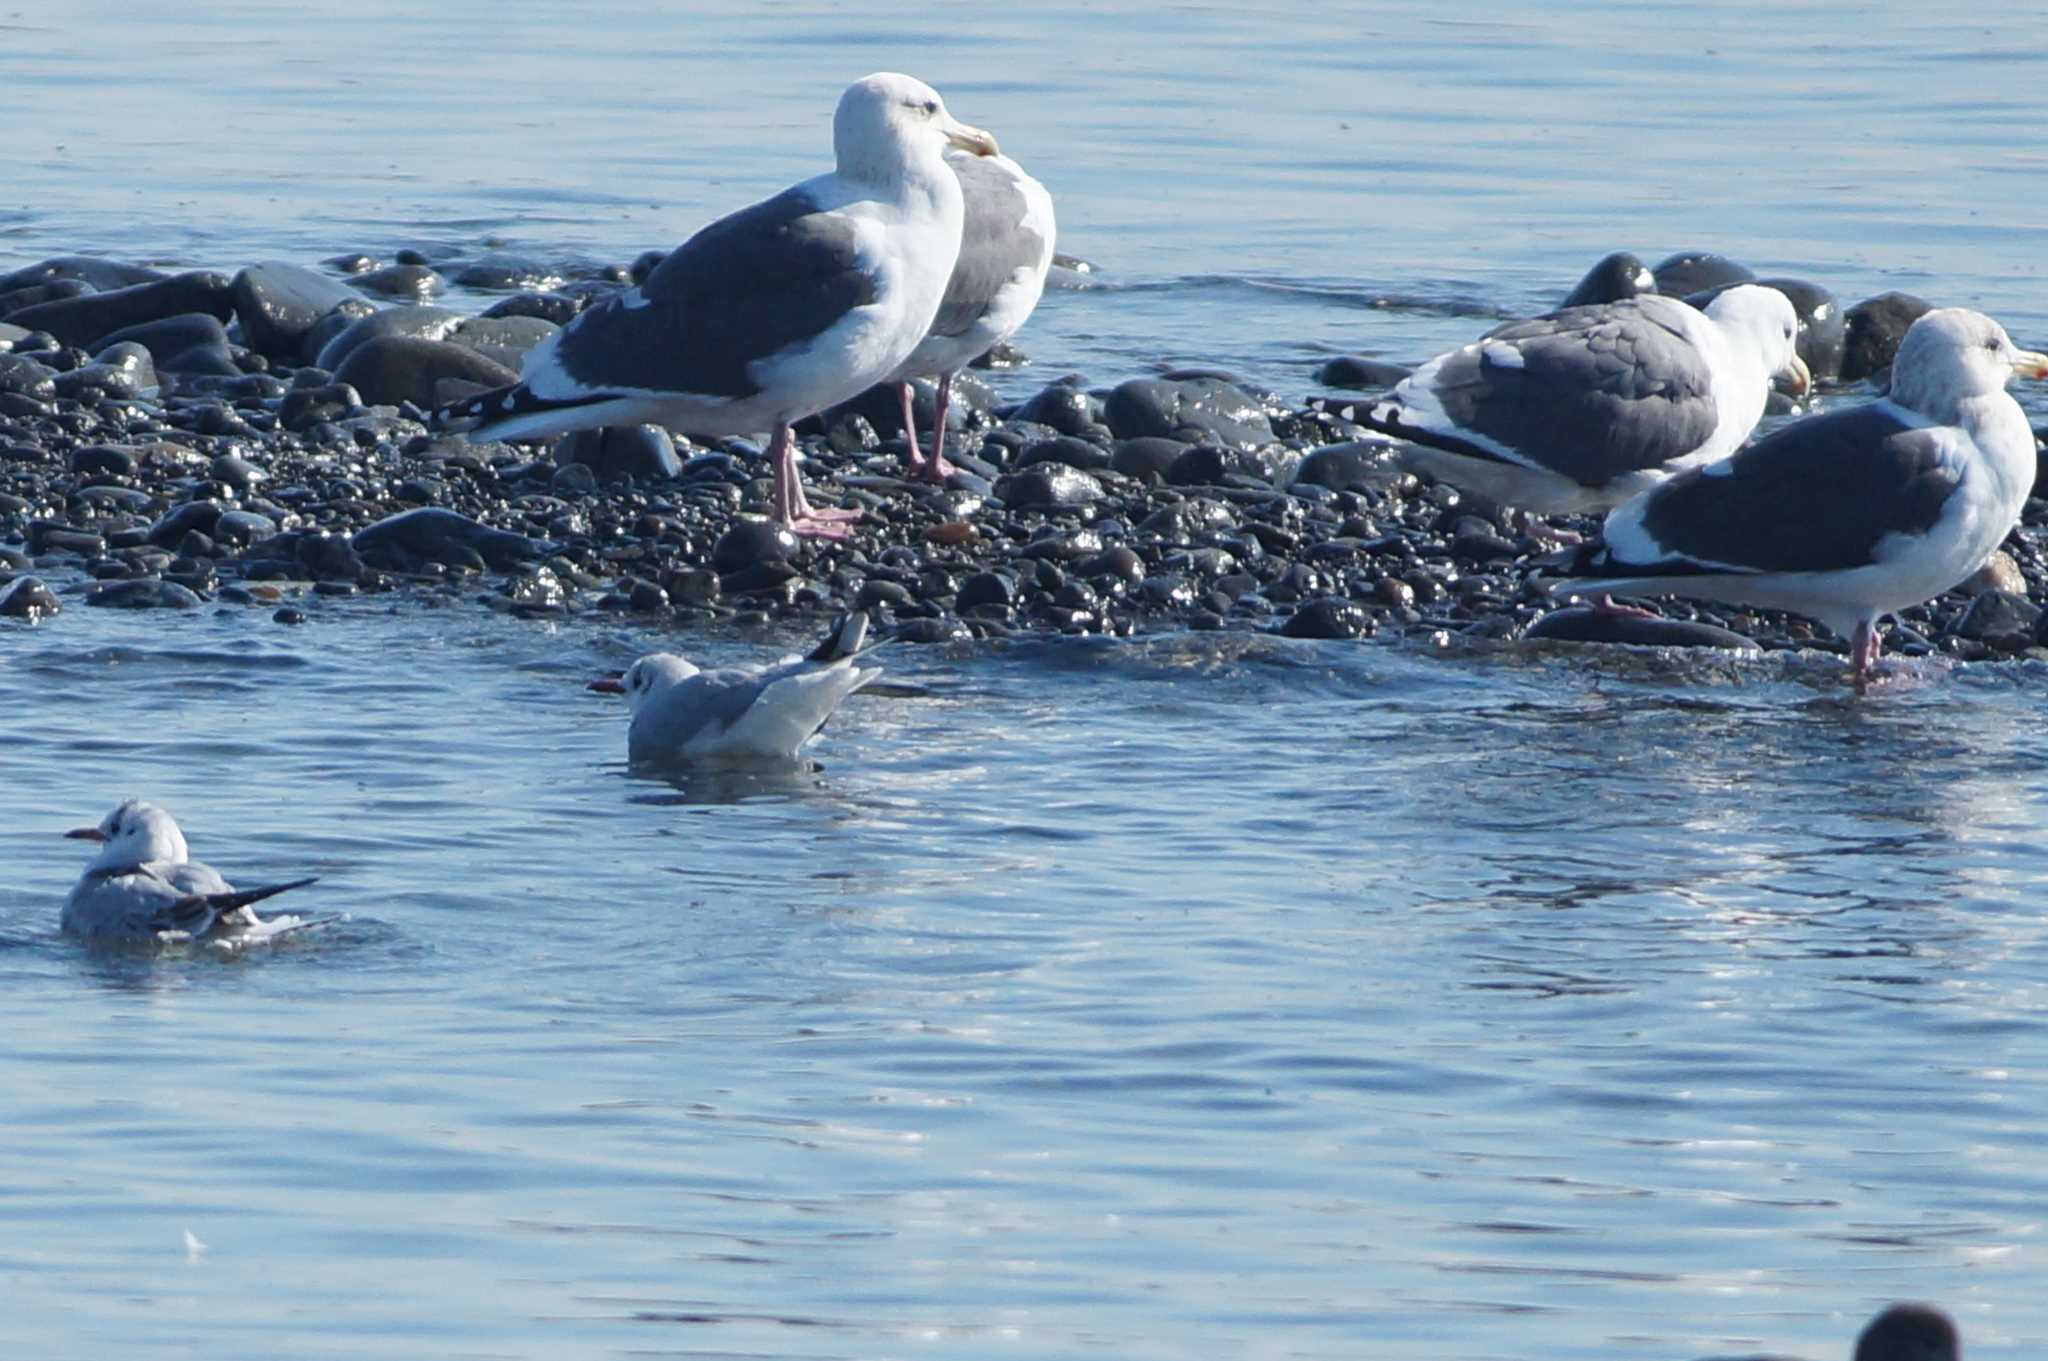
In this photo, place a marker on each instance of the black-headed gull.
(144, 886)
(683, 714)
(773, 313)
(1587, 406)
(1005, 250)
(1848, 515)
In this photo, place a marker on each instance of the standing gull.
(1848, 515)
(682, 714)
(1587, 406)
(1005, 251)
(142, 886)
(771, 314)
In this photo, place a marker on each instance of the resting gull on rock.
(683, 714)
(143, 886)
(1005, 251)
(1848, 515)
(1585, 407)
(774, 313)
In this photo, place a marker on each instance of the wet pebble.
(143, 594)
(749, 542)
(27, 597)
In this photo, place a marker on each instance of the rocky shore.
(262, 440)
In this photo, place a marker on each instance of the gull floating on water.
(773, 313)
(682, 714)
(1005, 251)
(1585, 407)
(143, 886)
(1848, 515)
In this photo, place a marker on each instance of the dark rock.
(644, 453)
(984, 589)
(1999, 573)
(423, 323)
(933, 631)
(431, 534)
(559, 308)
(1614, 278)
(278, 303)
(1147, 458)
(1359, 373)
(242, 527)
(24, 377)
(1695, 271)
(189, 343)
(1065, 407)
(326, 556)
(96, 273)
(89, 319)
(120, 372)
(1048, 486)
(749, 542)
(50, 536)
(1069, 450)
(504, 340)
(1118, 561)
(144, 594)
(570, 479)
(400, 281)
(289, 614)
(1213, 408)
(1995, 617)
(1873, 330)
(647, 598)
(1582, 625)
(1352, 463)
(389, 369)
(501, 273)
(1328, 617)
(26, 597)
(697, 586)
(110, 459)
(14, 300)
(645, 264)
(193, 517)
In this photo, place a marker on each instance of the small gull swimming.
(773, 313)
(143, 885)
(1848, 515)
(682, 713)
(1006, 248)
(1584, 407)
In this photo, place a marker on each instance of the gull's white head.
(1952, 354)
(648, 679)
(136, 833)
(887, 120)
(1766, 319)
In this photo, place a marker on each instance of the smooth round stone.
(400, 281)
(1614, 278)
(1873, 329)
(305, 407)
(645, 264)
(352, 262)
(1328, 617)
(1065, 407)
(2001, 618)
(1695, 271)
(279, 302)
(559, 308)
(1360, 373)
(99, 274)
(89, 319)
(24, 377)
(189, 343)
(750, 542)
(390, 369)
(502, 273)
(647, 598)
(1352, 463)
(192, 517)
(243, 527)
(1048, 486)
(692, 586)
(1147, 457)
(144, 594)
(14, 300)
(1069, 450)
(424, 323)
(236, 471)
(645, 453)
(26, 597)
(504, 340)
(1579, 624)
(289, 614)
(573, 479)
(984, 589)
(941, 630)
(1212, 407)
(47, 536)
(111, 460)
(434, 534)
(327, 556)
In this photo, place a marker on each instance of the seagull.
(1584, 407)
(773, 313)
(1005, 251)
(1851, 514)
(143, 886)
(683, 714)
(1909, 1332)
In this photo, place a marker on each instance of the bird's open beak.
(972, 139)
(607, 685)
(86, 834)
(2030, 364)
(1795, 377)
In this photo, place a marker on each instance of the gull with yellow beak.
(1851, 514)
(773, 313)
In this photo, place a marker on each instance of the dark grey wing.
(773, 275)
(1817, 496)
(1591, 393)
(995, 242)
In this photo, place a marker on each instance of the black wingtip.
(849, 631)
(228, 902)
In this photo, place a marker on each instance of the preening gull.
(1005, 250)
(682, 714)
(771, 314)
(143, 886)
(1851, 514)
(1585, 407)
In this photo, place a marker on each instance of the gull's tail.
(516, 412)
(225, 903)
(843, 643)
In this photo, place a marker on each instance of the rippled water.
(1171, 999)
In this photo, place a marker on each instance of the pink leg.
(1863, 650)
(903, 391)
(1603, 603)
(935, 468)
(792, 509)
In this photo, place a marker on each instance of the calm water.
(1163, 1000)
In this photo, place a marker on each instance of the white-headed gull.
(773, 313)
(1006, 247)
(1848, 515)
(683, 714)
(143, 886)
(1587, 406)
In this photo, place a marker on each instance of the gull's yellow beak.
(2030, 363)
(1795, 377)
(973, 139)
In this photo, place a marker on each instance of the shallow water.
(1186, 997)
